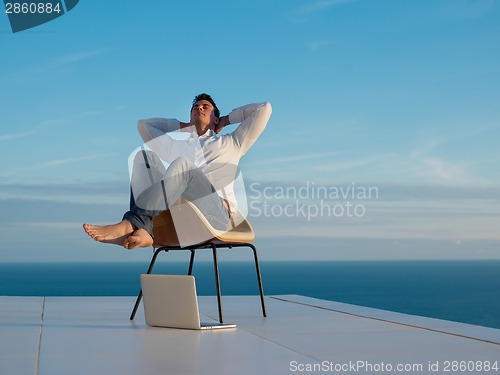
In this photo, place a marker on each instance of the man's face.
(202, 113)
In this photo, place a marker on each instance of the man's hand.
(223, 122)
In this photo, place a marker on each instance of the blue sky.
(401, 96)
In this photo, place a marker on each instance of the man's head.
(204, 113)
(207, 98)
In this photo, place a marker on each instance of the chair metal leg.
(139, 297)
(261, 289)
(257, 268)
(191, 261)
(217, 282)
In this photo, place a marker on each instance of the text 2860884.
(32, 8)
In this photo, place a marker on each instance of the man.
(202, 169)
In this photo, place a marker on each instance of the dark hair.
(208, 98)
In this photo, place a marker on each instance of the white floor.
(93, 335)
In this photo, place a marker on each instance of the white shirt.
(216, 155)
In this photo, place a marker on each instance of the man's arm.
(155, 133)
(253, 119)
(156, 127)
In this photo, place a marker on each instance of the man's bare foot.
(115, 234)
(139, 238)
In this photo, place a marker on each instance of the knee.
(182, 163)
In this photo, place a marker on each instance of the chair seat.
(184, 225)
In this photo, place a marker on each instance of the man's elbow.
(268, 109)
(141, 124)
(142, 128)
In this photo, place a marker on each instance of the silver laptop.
(171, 301)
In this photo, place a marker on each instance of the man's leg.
(114, 233)
(181, 178)
(146, 171)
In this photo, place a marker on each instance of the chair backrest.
(184, 225)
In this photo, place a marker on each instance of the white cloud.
(412, 215)
(297, 158)
(58, 162)
(78, 56)
(51, 225)
(33, 72)
(9, 137)
(445, 172)
(302, 13)
(65, 120)
(317, 6)
(344, 165)
(88, 192)
(58, 121)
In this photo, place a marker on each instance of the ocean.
(463, 291)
